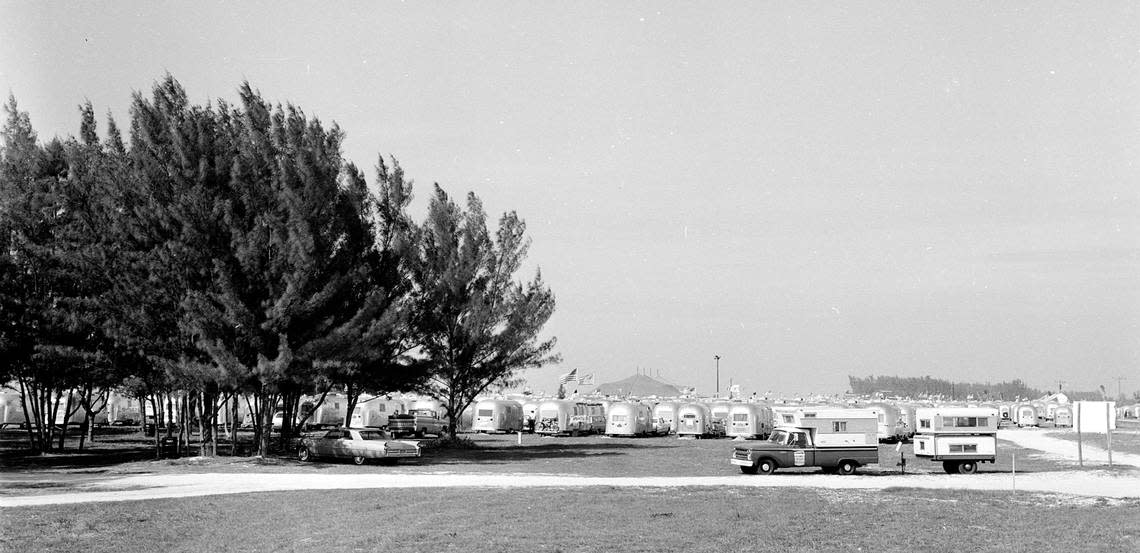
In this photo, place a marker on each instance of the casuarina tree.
(474, 324)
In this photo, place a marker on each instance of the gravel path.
(1091, 483)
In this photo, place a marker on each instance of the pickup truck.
(416, 422)
(791, 447)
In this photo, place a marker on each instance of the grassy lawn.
(638, 519)
(1126, 441)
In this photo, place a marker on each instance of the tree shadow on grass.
(524, 453)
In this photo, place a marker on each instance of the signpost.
(1096, 417)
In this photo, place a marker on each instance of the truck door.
(803, 454)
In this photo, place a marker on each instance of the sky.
(806, 190)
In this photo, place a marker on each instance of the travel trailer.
(628, 419)
(719, 410)
(497, 415)
(665, 413)
(749, 421)
(563, 416)
(960, 437)
(889, 429)
(1024, 414)
(1063, 416)
(696, 420)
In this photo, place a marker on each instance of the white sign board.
(1094, 416)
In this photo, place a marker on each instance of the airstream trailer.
(749, 420)
(888, 426)
(720, 410)
(695, 419)
(374, 412)
(666, 415)
(1063, 416)
(562, 416)
(907, 421)
(628, 419)
(1024, 414)
(1005, 410)
(497, 415)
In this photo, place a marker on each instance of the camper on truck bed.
(837, 440)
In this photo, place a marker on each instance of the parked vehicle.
(1024, 414)
(424, 417)
(891, 427)
(960, 437)
(563, 416)
(665, 413)
(628, 419)
(497, 415)
(749, 421)
(839, 440)
(357, 444)
(696, 420)
(1063, 416)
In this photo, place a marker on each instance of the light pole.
(717, 358)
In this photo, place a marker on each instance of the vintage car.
(358, 444)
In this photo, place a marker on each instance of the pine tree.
(476, 327)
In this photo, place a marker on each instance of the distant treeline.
(915, 387)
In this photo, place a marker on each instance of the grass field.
(551, 519)
(634, 520)
(1125, 441)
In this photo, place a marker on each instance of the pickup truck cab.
(416, 422)
(795, 447)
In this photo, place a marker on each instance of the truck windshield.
(778, 437)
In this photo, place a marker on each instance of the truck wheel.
(951, 467)
(766, 466)
(968, 467)
(358, 460)
(748, 470)
(846, 467)
(304, 454)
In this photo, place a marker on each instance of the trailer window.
(618, 418)
(485, 412)
(839, 426)
(789, 418)
(963, 448)
(924, 423)
(740, 417)
(965, 422)
(550, 414)
(689, 416)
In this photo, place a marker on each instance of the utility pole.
(1119, 379)
(717, 358)
(1060, 385)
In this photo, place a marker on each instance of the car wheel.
(951, 467)
(846, 467)
(967, 467)
(748, 470)
(358, 460)
(304, 454)
(766, 466)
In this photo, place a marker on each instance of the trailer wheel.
(304, 455)
(358, 460)
(968, 467)
(765, 466)
(951, 467)
(846, 467)
(748, 470)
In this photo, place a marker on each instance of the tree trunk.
(66, 416)
(27, 419)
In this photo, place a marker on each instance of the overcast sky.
(808, 190)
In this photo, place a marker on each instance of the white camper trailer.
(696, 420)
(888, 416)
(562, 416)
(12, 410)
(719, 410)
(665, 415)
(628, 419)
(497, 415)
(749, 420)
(373, 412)
(1024, 414)
(1063, 416)
(960, 437)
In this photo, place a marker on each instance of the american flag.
(572, 375)
(586, 379)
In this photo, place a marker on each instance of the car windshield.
(778, 437)
(372, 435)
